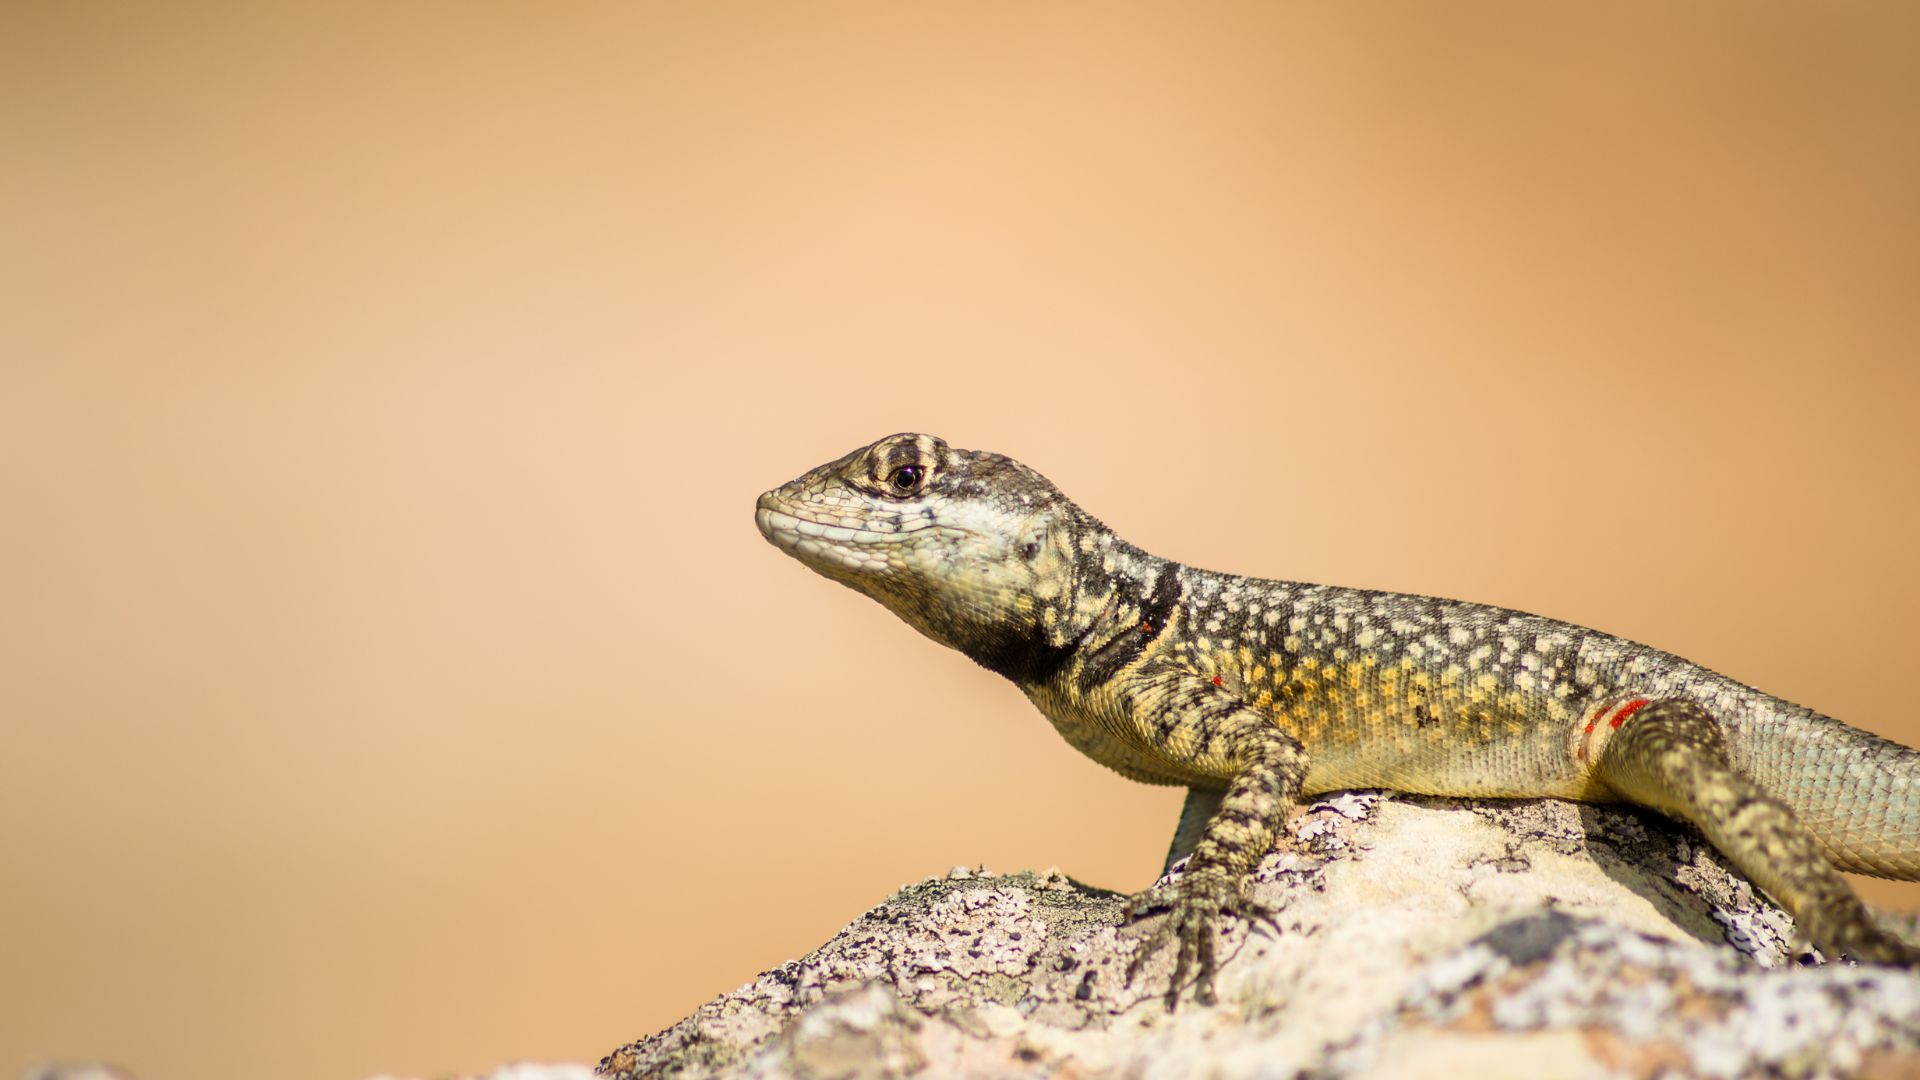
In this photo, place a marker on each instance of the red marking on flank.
(1146, 627)
(1216, 680)
(1627, 710)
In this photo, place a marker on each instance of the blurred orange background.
(391, 675)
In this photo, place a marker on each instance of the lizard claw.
(1194, 906)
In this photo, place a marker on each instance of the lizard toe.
(1196, 908)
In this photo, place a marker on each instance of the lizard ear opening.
(1031, 544)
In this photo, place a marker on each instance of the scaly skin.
(1254, 693)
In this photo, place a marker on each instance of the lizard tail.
(1857, 793)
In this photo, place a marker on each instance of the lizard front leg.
(1214, 736)
(1669, 754)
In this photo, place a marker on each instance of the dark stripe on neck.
(1156, 608)
(1023, 655)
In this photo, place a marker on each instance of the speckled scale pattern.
(1269, 690)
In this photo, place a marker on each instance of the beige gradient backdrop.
(391, 677)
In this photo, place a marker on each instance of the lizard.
(1254, 694)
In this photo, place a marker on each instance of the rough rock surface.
(1534, 939)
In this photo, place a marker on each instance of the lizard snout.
(763, 511)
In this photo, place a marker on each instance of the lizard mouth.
(817, 542)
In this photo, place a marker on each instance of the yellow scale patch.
(1354, 703)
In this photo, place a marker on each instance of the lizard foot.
(1194, 905)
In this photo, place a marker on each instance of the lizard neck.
(1104, 601)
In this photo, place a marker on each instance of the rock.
(1533, 939)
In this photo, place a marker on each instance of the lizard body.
(1254, 693)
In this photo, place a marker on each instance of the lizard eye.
(906, 478)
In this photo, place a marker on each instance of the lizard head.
(973, 549)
